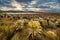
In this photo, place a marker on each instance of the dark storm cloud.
(24, 1)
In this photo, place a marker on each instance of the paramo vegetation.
(34, 27)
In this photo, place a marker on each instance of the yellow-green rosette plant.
(35, 26)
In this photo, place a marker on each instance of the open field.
(39, 26)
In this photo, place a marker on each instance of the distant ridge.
(15, 11)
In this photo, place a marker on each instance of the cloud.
(30, 5)
(51, 5)
(5, 3)
(15, 6)
(25, 1)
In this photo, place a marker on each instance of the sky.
(31, 5)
